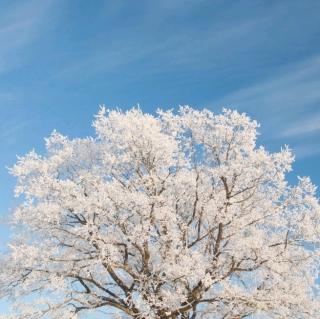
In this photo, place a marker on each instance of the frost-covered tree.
(178, 215)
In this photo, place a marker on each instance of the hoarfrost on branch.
(178, 215)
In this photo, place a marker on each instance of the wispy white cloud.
(303, 151)
(295, 86)
(171, 38)
(188, 48)
(11, 128)
(283, 100)
(21, 23)
(309, 125)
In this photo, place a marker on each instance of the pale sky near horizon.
(59, 60)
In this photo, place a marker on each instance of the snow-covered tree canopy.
(178, 215)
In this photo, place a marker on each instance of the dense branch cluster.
(178, 215)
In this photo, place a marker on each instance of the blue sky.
(60, 59)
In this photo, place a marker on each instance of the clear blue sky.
(60, 59)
